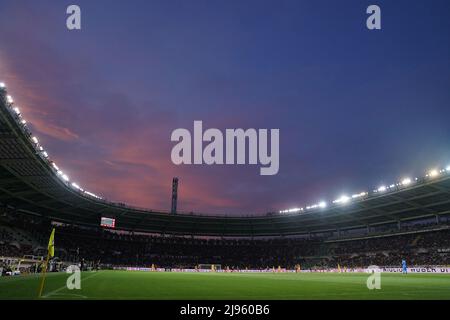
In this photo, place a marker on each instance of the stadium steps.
(19, 236)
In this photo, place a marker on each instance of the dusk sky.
(355, 108)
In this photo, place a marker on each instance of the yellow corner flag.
(50, 254)
(51, 244)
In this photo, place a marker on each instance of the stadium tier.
(424, 245)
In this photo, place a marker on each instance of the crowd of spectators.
(75, 243)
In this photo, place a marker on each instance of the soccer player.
(404, 268)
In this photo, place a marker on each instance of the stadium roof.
(31, 183)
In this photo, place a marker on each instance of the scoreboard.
(108, 222)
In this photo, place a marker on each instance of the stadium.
(321, 251)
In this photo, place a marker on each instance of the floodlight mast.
(174, 195)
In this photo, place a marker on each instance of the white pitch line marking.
(64, 287)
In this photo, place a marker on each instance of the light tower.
(174, 195)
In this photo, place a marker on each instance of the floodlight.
(342, 199)
(433, 173)
(406, 181)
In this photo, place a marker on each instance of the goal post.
(209, 267)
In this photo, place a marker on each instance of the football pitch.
(227, 286)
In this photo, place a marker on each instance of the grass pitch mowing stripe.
(204, 286)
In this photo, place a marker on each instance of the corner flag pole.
(50, 253)
(43, 275)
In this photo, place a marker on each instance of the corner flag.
(50, 254)
(51, 244)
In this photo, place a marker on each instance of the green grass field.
(227, 286)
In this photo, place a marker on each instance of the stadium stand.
(408, 219)
(422, 246)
